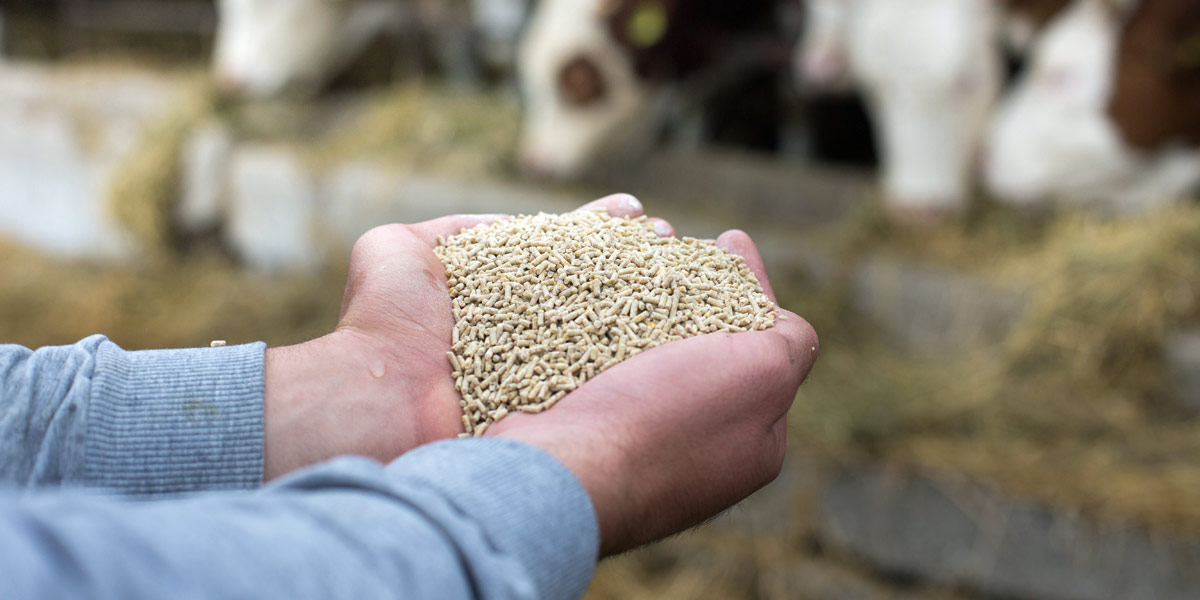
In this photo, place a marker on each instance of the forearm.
(136, 423)
(460, 519)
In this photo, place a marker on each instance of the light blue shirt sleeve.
(135, 423)
(458, 519)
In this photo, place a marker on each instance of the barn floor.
(1067, 404)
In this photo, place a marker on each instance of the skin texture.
(678, 434)
(660, 442)
(380, 384)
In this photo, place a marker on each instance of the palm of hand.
(397, 302)
(396, 297)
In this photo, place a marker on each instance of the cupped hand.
(679, 433)
(380, 384)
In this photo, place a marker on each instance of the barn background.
(1003, 408)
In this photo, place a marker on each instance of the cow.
(270, 48)
(838, 128)
(267, 48)
(931, 71)
(604, 76)
(1106, 115)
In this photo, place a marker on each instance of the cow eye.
(580, 82)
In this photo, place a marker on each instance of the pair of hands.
(660, 442)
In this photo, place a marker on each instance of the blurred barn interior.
(987, 208)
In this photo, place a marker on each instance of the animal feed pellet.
(544, 303)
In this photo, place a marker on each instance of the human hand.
(380, 384)
(679, 433)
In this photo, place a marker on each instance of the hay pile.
(425, 128)
(545, 303)
(145, 186)
(183, 303)
(1070, 408)
(412, 126)
(711, 563)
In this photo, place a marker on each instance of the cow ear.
(647, 23)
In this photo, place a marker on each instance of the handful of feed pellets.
(544, 303)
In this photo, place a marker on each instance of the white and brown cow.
(601, 76)
(931, 71)
(1107, 114)
(268, 48)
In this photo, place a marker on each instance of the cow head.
(821, 56)
(931, 72)
(266, 48)
(581, 84)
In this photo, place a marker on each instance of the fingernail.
(661, 229)
(630, 203)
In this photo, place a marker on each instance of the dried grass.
(145, 186)
(411, 126)
(711, 563)
(428, 129)
(184, 303)
(1071, 408)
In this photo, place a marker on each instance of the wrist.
(332, 396)
(602, 474)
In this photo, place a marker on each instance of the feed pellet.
(544, 303)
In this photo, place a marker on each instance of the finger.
(737, 242)
(662, 228)
(802, 343)
(450, 226)
(617, 205)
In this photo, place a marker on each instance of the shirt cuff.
(176, 421)
(532, 507)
